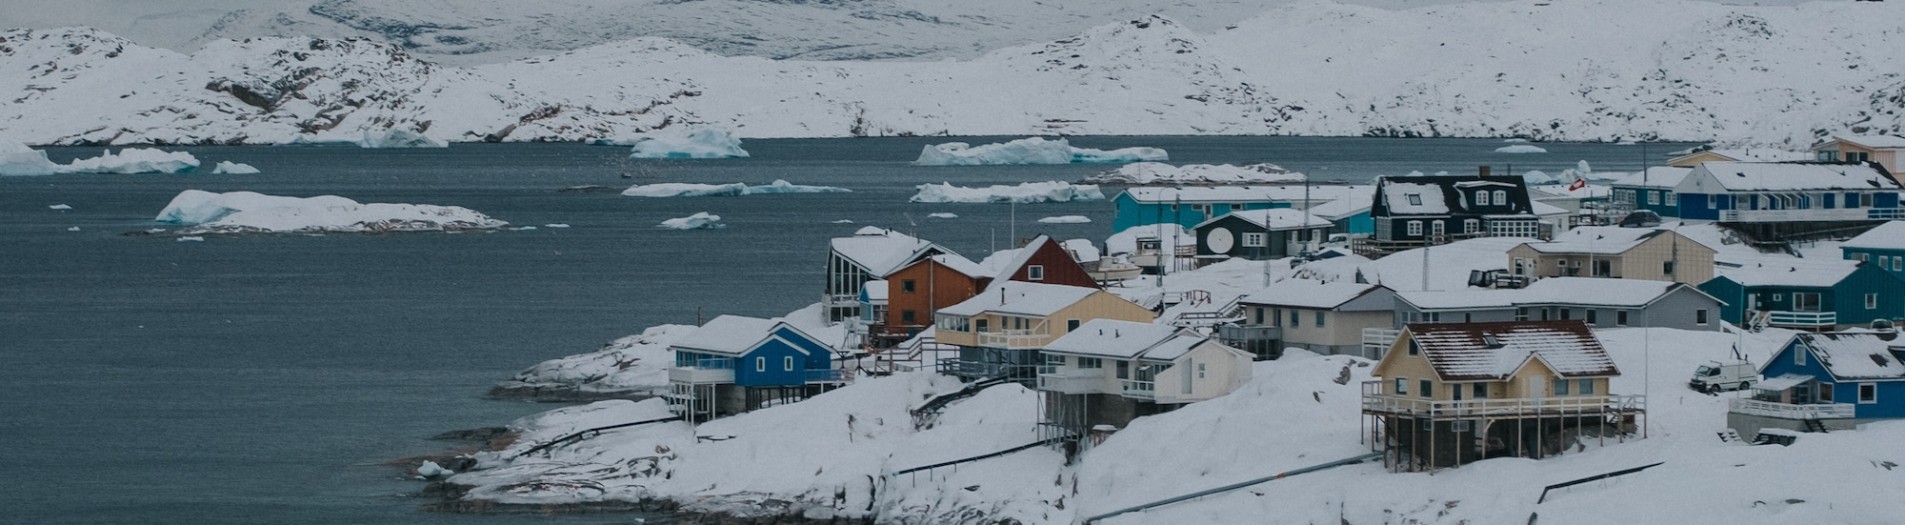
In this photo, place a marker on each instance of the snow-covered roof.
(1887, 236)
(1275, 219)
(1409, 198)
(1351, 203)
(1561, 192)
(1778, 176)
(1201, 194)
(1762, 154)
(1784, 381)
(1111, 338)
(1021, 257)
(1655, 177)
(1309, 293)
(727, 334)
(1483, 351)
(1871, 141)
(1815, 273)
(1586, 291)
(875, 291)
(1449, 264)
(1546, 210)
(1021, 298)
(1858, 356)
(1600, 240)
(881, 251)
(1173, 348)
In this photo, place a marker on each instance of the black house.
(1260, 234)
(1426, 211)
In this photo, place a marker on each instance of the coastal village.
(1420, 325)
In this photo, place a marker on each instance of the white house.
(1107, 372)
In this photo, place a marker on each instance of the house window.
(1459, 426)
(1560, 387)
(1700, 316)
(1472, 226)
(980, 325)
(1090, 362)
(760, 364)
(1521, 314)
(1586, 387)
(1402, 386)
(1481, 198)
(1591, 317)
(1806, 301)
(1779, 297)
(1479, 391)
(1319, 319)
(1882, 262)
(1799, 356)
(1898, 264)
(1713, 202)
(1868, 393)
(1825, 392)
(1071, 324)
(1871, 301)
(1666, 267)
(1653, 198)
(909, 317)
(1428, 388)
(1415, 199)
(1863, 257)
(1415, 228)
(1296, 318)
(1259, 313)
(1501, 198)
(1035, 272)
(1124, 370)
(1413, 348)
(1276, 316)
(1428, 424)
(906, 286)
(1620, 318)
(1865, 200)
(1565, 312)
(1253, 240)
(1201, 370)
(787, 363)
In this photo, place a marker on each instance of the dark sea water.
(265, 379)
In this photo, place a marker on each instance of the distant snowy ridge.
(202, 212)
(1031, 150)
(682, 189)
(1678, 69)
(1159, 173)
(1030, 192)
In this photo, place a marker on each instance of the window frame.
(1559, 387)
(1426, 388)
(760, 363)
(1255, 239)
(1871, 301)
(1414, 228)
(1401, 387)
(1868, 388)
(1035, 272)
(909, 286)
(1481, 198)
(787, 363)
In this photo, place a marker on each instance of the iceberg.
(1520, 148)
(249, 212)
(16, 159)
(1159, 173)
(1030, 192)
(61, 207)
(697, 143)
(398, 138)
(677, 189)
(226, 167)
(942, 215)
(1538, 177)
(1033, 150)
(1065, 219)
(698, 221)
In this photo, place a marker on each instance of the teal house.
(1189, 206)
(1883, 247)
(1807, 295)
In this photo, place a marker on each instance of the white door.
(1533, 389)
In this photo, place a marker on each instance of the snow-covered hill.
(1678, 69)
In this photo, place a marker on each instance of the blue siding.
(1359, 223)
(1730, 293)
(1669, 201)
(1891, 394)
(1868, 279)
(807, 353)
(1697, 206)
(1891, 262)
(1131, 213)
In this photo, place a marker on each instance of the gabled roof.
(1355, 201)
(1787, 176)
(732, 335)
(1654, 177)
(1599, 240)
(1887, 236)
(1857, 356)
(1743, 154)
(1809, 273)
(1112, 338)
(1274, 219)
(1443, 195)
(1310, 293)
(874, 292)
(1869, 141)
(882, 251)
(1021, 298)
(1585, 291)
(1023, 256)
(1462, 351)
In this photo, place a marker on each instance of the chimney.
(1483, 170)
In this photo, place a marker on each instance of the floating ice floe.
(696, 143)
(555, 225)
(1066, 219)
(942, 215)
(248, 212)
(1030, 192)
(1159, 173)
(191, 238)
(1520, 148)
(1538, 177)
(1033, 150)
(72, 229)
(522, 228)
(681, 189)
(59, 207)
(698, 221)
(398, 138)
(17, 159)
(843, 221)
(226, 167)
(431, 470)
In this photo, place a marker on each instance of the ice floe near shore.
(1030, 192)
(1520, 148)
(17, 159)
(679, 189)
(1033, 150)
(1141, 173)
(698, 221)
(398, 138)
(1065, 219)
(248, 212)
(698, 143)
(233, 168)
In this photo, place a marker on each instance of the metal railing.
(1145, 390)
(1239, 333)
(826, 376)
(1811, 214)
(1015, 339)
(1802, 319)
(1234, 486)
(696, 374)
(1755, 407)
(1469, 408)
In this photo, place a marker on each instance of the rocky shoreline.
(559, 393)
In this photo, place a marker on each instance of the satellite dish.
(1220, 240)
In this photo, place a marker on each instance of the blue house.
(1190, 205)
(1883, 246)
(1829, 381)
(735, 364)
(1651, 190)
(1776, 192)
(1806, 294)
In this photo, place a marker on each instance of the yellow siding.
(1689, 161)
(1644, 261)
(1098, 305)
(1398, 363)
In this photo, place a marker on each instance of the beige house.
(1882, 149)
(1737, 155)
(1456, 393)
(1622, 253)
(1000, 331)
(1108, 372)
(1322, 317)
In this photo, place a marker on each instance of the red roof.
(1494, 351)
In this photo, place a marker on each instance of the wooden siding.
(1397, 363)
(1059, 268)
(935, 286)
(1098, 305)
(1694, 261)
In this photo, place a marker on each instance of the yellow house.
(1882, 149)
(1621, 253)
(1453, 393)
(1000, 331)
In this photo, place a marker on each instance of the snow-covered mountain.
(1675, 69)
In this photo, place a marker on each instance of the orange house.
(917, 291)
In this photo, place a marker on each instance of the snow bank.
(698, 221)
(1066, 219)
(1030, 192)
(248, 212)
(1520, 148)
(1158, 173)
(677, 189)
(226, 167)
(398, 138)
(698, 143)
(636, 365)
(1033, 150)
